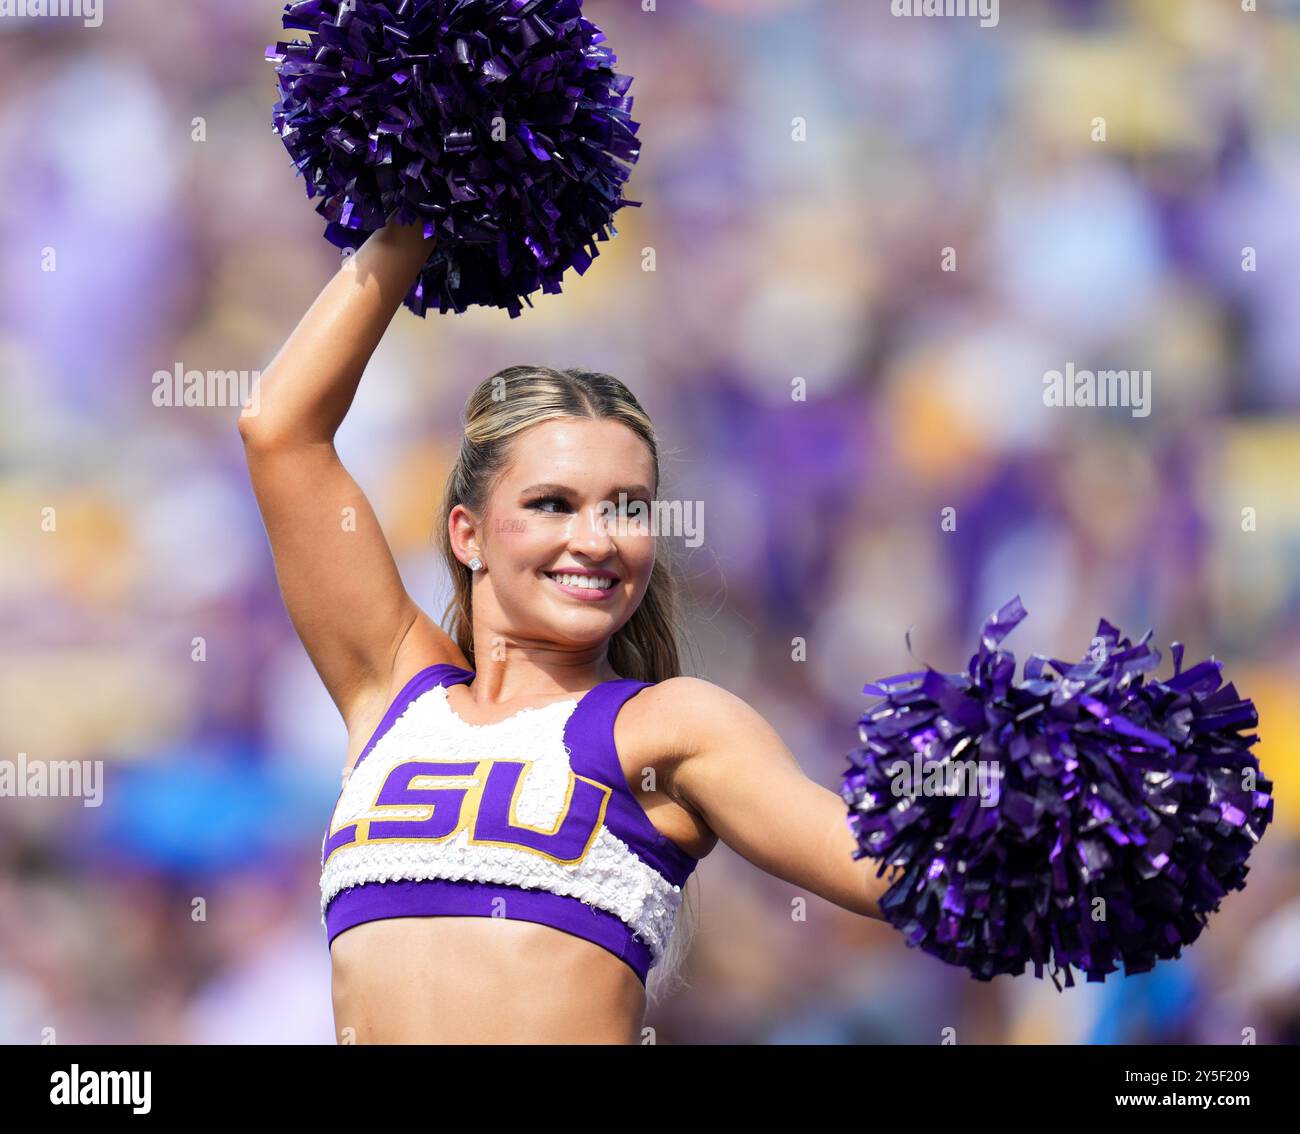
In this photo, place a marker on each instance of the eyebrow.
(564, 490)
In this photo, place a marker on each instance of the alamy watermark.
(982, 778)
(683, 518)
(23, 778)
(89, 12)
(181, 387)
(986, 10)
(1131, 388)
(75, 1087)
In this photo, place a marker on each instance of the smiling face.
(557, 571)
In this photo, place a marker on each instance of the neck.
(510, 670)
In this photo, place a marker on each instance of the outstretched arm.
(746, 784)
(336, 573)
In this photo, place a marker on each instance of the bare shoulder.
(692, 693)
(688, 711)
(658, 729)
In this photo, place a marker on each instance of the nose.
(590, 535)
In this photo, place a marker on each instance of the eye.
(544, 500)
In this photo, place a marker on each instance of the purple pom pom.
(500, 124)
(1083, 817)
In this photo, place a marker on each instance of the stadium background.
(773, 259)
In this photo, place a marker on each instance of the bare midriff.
(471, 980)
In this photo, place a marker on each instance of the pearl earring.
(475, 564)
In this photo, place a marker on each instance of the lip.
(583, 593)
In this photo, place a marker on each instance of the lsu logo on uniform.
(477, 796)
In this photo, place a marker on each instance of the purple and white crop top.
(529, 818)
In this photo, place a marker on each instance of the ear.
(464, 529)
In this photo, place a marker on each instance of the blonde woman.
(525, 797)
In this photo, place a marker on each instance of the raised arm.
(336, 573)
(746, 784)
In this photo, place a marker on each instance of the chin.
(592, 624)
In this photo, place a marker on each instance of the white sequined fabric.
(610, 876)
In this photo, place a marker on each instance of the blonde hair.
(646, 647)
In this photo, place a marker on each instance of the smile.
(587, 587)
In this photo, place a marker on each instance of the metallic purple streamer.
(389, 112)
(1142, 793)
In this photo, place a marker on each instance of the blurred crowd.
(910, 219)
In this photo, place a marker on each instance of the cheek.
(639, 555)
(524, 544)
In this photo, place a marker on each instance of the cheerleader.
(525, 797)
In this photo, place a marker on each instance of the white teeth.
(587, 582)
